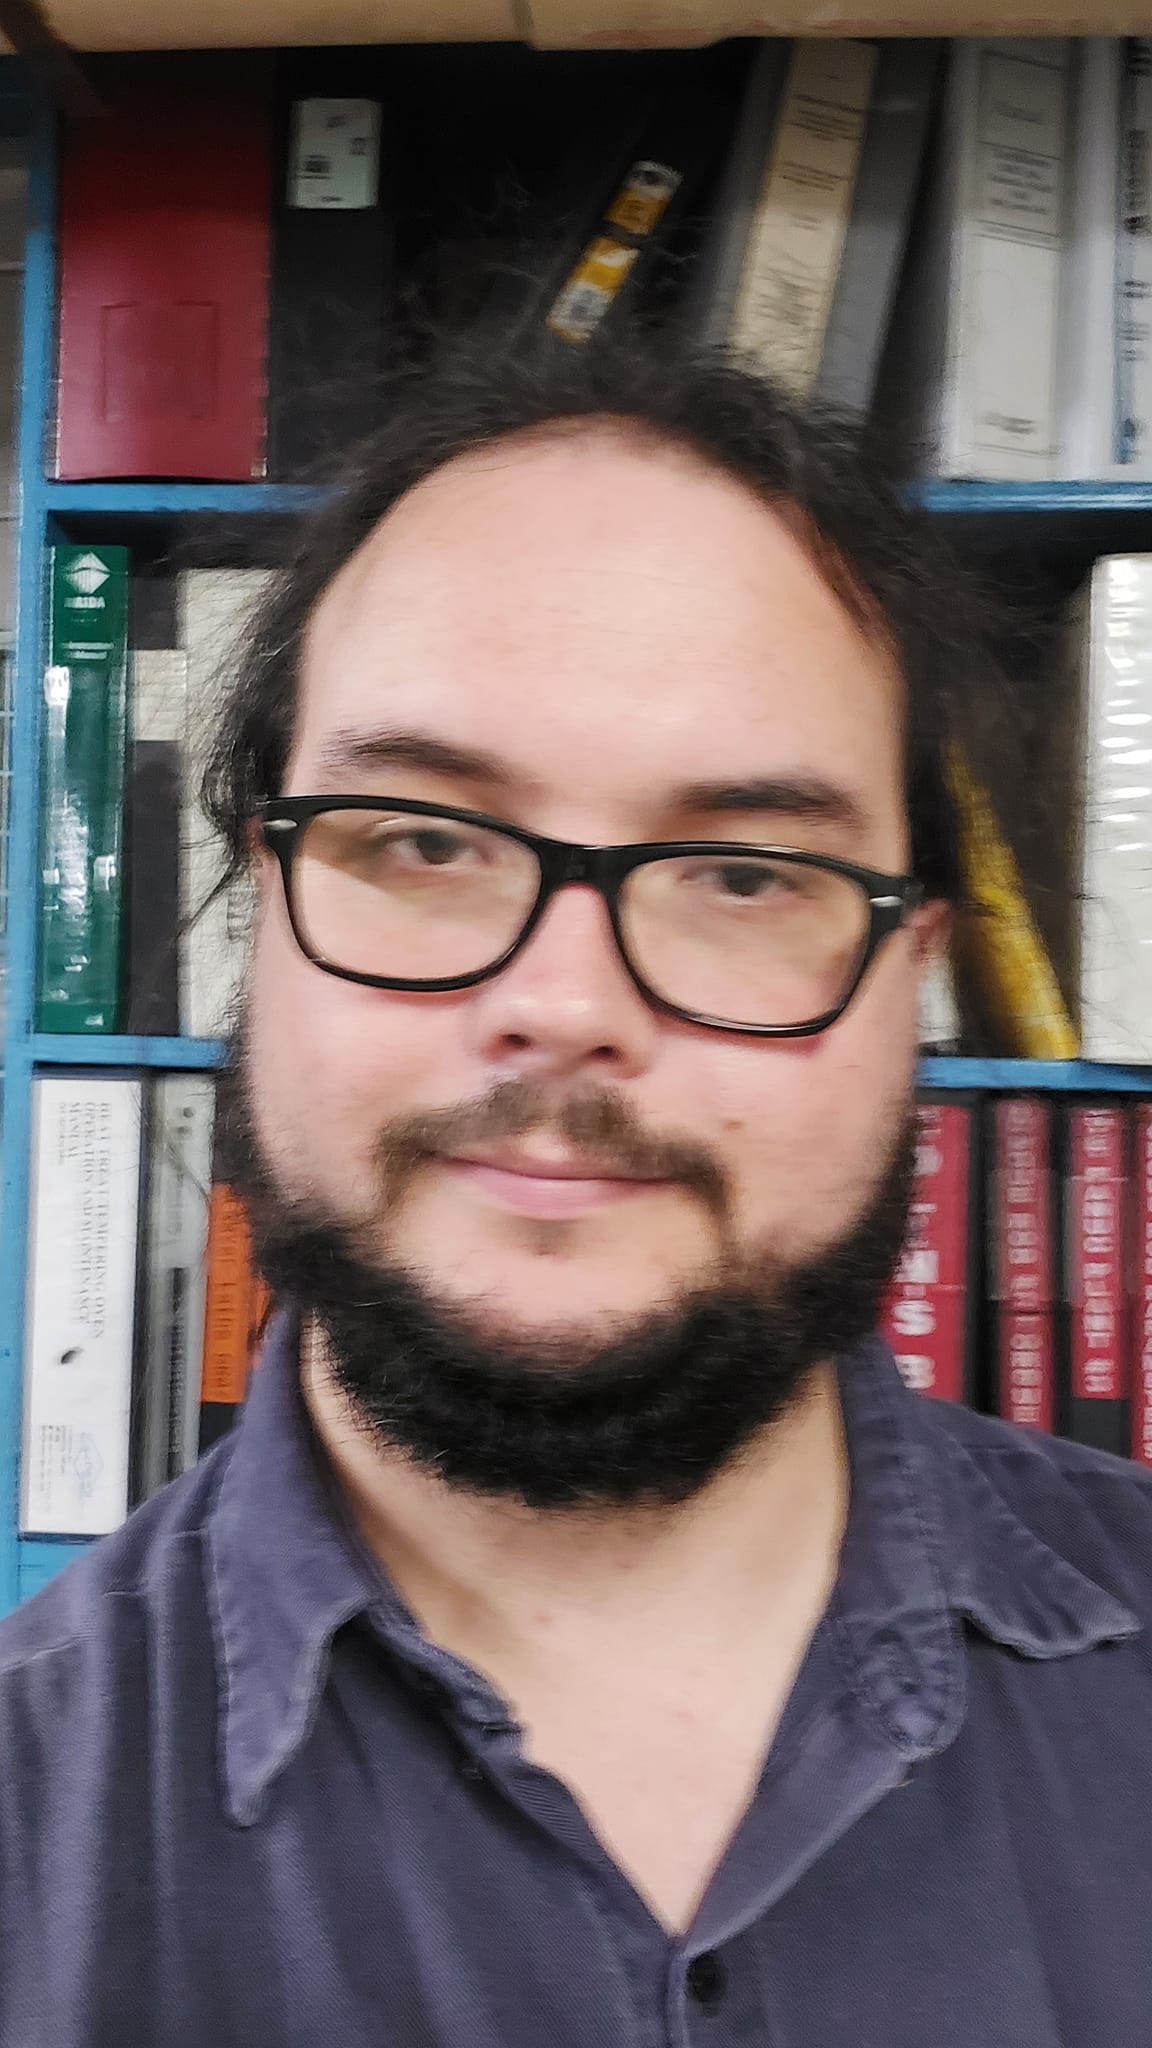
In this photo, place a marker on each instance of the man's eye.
(432, 846)
(431, 849)
(740, 879)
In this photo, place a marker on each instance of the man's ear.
(931, 925)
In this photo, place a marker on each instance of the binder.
(996, 936)
(82, 797)
(213, 606)
(1022, 1260)
(972, 370)
(164, 254)
(1112, 635)
(929, 1317)
(230, 1315)
(152, 806)
(1140, 1325)
(787, 203)
(814, 209)
(1134, 262)
(903, 99)
(174, 1241)
(79, 1329)
(1096, 1291)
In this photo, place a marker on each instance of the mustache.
(590, 1119)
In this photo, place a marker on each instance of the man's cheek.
(800, 1174)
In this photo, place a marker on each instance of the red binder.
(928, 1316)
(1022, 1259)
(1097, 1294)
(1141, 1443)
(164, 259)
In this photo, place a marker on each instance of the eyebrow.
(384, 749)
(789, 796)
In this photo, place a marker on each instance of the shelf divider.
(93, 1049)
(1088, 1077)
(166, 498)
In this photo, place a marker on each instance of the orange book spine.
(229, 1304)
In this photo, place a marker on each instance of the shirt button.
(705, 1980)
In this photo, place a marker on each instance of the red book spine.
(1141, 1441)
(1022, 1261)
(926, 1315)
(1095, 1236)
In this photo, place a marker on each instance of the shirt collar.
(283, 1572)
(930, 1538)
(931, 1542)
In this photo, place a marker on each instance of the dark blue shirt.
(244, 1801)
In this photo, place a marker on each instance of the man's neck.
(498, 1582)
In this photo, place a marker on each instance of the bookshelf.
(1082, 518)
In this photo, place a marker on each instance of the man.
(584, 1637)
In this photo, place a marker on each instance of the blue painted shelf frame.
(27, 1564)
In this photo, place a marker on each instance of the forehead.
(592, 606)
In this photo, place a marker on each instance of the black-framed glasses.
(397, 894)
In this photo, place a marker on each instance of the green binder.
(82, 794)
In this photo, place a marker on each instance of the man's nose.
(567, 1002)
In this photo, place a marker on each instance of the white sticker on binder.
(334, 159)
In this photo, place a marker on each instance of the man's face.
(597, 640)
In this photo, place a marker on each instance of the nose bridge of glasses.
(566, 866)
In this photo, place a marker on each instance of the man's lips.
(555, 1185)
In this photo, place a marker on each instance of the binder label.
(925, 1315)
(334, 159)
(1028, 1370)
(1022, 132)
(1096, 1249)
(1022, 1247)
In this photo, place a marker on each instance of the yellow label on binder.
(642, 197)
(590, 290)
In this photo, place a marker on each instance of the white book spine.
(1088, 382)
(81, 1305)
(183, 1107)
(159, 694)
(1134, 263)
(999, 411)
(796, 237)
(215, 606)
(1116, 899)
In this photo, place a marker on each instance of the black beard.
(566, 1421)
